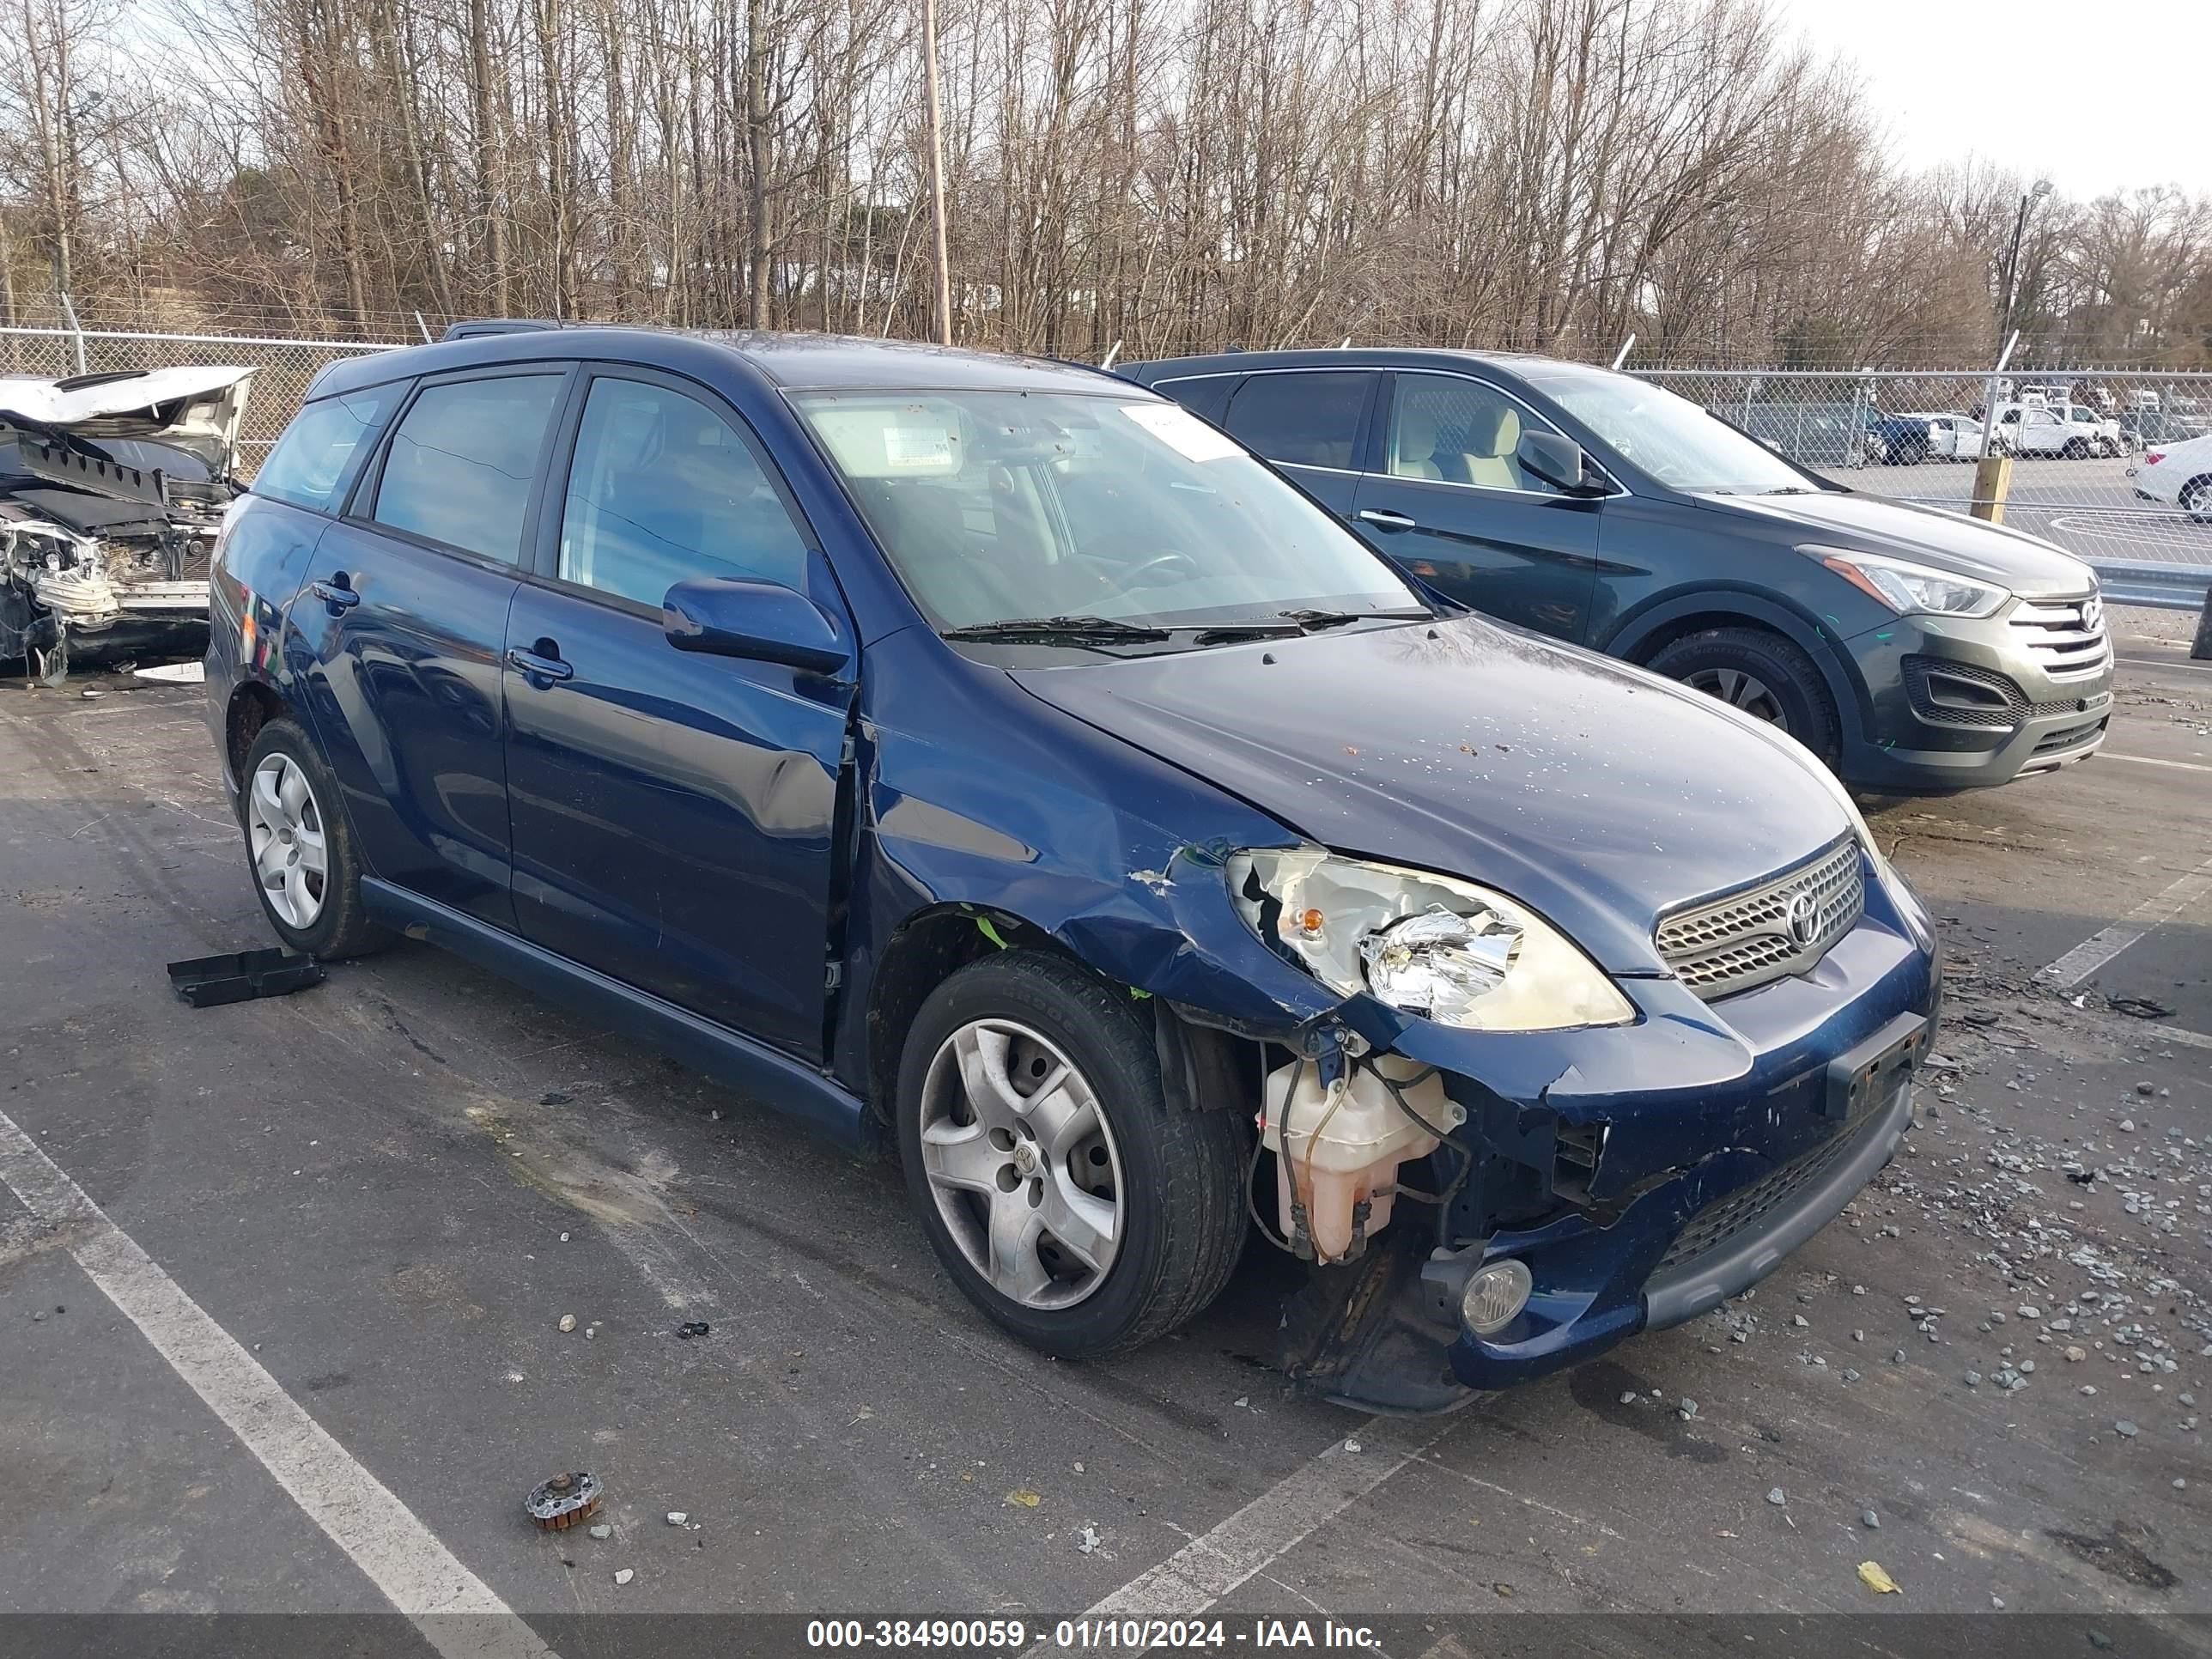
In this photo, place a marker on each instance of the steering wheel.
(1135, 579)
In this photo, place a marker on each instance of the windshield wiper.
(1056, 630)
(1284, 624)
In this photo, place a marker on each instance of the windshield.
(1669, 437)
(996, 506)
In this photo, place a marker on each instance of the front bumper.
(1955, 704)
(1709, 1139)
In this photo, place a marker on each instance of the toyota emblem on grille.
(1802, 919)
(2093, 612)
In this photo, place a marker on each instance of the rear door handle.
(335, 595)
(537, 667)
(1382, 521)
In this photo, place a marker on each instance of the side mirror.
(757, 621)
(1558, 461)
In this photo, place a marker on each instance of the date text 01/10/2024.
(1084, 1635)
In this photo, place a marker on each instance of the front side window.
(663, 489)
(1004, 506)
(1681, 445)
(311, 462)
(463, 462)
(1302, 419)
(1458, 431)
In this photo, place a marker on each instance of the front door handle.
(1383, 520)
(335, 593)
(538, 667)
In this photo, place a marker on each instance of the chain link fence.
(2115, 465)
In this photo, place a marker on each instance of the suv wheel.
(2197, 498)
(1759, 673)
(2077, 449)
(305, 870)
(1065, 1197)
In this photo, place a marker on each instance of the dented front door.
(672, 815)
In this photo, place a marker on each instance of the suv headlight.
(1445, 949)
(1905, 587)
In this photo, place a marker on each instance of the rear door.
(674, 815)
(404, 613)
(1312, 422)
(1452, 506)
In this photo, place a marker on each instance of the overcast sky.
(2096, 95)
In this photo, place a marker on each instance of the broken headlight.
(1454, 952)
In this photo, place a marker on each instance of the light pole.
(2034, 194)
(936, 167)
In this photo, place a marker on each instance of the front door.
(673, 814)
(404, 615)
(1452, 506)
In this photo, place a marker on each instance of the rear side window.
(313, 461)
(464, 460)
(1302, 419)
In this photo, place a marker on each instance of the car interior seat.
(1493, 434)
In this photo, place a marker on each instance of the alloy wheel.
(284, 827)
(1022, 1164)
(1746, 691)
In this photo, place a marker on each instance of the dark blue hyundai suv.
(987, 756)
(1916, 650)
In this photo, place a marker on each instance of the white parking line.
(1273, 1524)
(2100, 947)
(2160, 662)
(458, 1613)
(2150, 760)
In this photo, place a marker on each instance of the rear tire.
(1760, 672)
(294, 824)
(1152, 1196)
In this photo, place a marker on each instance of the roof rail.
(479, 327)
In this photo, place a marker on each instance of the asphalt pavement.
(281, 1286)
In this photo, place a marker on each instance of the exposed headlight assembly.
(1909, 588)
(1433, 946)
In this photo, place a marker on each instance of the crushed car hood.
(194, 409)
(1947, 541)
(1600, 795)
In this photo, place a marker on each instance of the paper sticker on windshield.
(918, 448)
(1182, 431)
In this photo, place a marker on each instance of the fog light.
(1493, 1297)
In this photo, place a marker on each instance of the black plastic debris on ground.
(2138, 1007)
(210, 982)
(692, 1328)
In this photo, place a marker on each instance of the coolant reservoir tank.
(1331, 1152)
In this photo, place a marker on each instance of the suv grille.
(2061, 638)
(1724, 945)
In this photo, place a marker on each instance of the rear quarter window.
(313, 462)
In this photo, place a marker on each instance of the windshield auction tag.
(1182, 432)
(918, 448)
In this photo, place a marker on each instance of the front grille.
(2061, 638)
(1746, 1207)
(1720, 946)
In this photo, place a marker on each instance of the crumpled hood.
(195, 409)
(1947, 541)
(1597, 794)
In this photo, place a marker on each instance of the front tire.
(2195, 498)
(2075, 450)
(1064, 1195)
(1760, 672)
(306, 871)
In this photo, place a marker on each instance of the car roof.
(785, 362)
(1240, 362)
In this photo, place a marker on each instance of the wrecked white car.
(112, 488)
